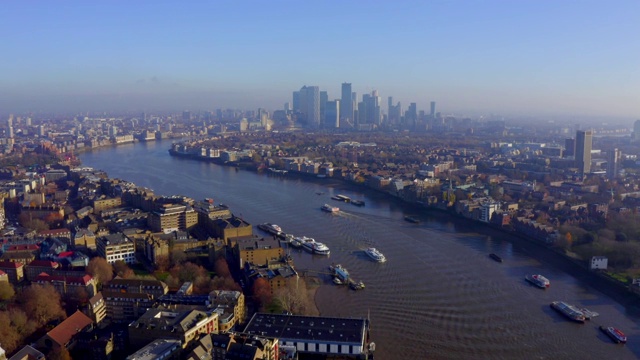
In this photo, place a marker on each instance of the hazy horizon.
(529, 58)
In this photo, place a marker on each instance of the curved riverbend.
(438, 296)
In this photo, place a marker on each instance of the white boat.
(329, 208)
(270, 228)
(375, 254)
(538, 280)
(313, 246)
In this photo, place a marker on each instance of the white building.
(487, 209)
(599, 262)
(116, 247)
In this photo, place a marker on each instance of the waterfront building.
(235, 345)
(583, 151)
(319, 336)
(257, 251)
(172, 217)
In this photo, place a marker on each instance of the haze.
(555, 58)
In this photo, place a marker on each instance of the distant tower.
(186, 115)
(332, 114)
(613, 162)
(11, 132)
(636, 131)
(583, 151)
(41, 132)
(433, 110)
(569, 147)
(346, 104)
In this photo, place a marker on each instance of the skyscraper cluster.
(313, 109)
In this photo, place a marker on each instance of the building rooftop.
(74, 324)
(157, 349)
(251, 243)
(308, 328)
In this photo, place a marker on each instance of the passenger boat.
(357, 202)
(313, 246)
(329, 208)
(270, 228)
(495, 257)
(615, 334)
(341, 198)
(295, 242)
(339, 273)
(569, 311)
(337, 281)
(538, 280)
(375, 254)
(412, 219)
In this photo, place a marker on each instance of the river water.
(438, 296)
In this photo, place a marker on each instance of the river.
(438, 296)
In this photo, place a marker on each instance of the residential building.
(231, 228)
(116, 247)
(235, 345)
(64, 335)
(104, 203)
(228, 302)
(28, 353)
(155, 288)
(125, 307)
(164, 323)
(159, 349)
(37, 267)
(14, 270)
(97, 309)
(85, 238)
(70, 285)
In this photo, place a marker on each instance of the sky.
(540, 58)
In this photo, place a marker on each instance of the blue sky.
(472, 57)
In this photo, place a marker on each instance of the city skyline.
(527, 59)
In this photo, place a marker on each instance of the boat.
(339, 273)
(295, 242)
(356, 285)
(495, 257)
(375, 254)
(270, 228)
(538, 280)
(357, 202)
(615, 334)
(337, 281)
(569, 311)
(412, 219)
(341, 198)
(313, 246)
(329, 208)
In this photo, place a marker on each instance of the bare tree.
(294, 297)
(100, 269)
(42, 303)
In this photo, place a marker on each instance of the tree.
(294, 297)
(10, 337)
(178, 257)
(222, 268)
(123, 270)
(59, 354)
(42, 303)
(163, 263)
(21, 322)
(100, 269)
(6, 291)
(262, 292)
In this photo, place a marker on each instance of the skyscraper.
(569, 147)
(346, 105)
(613, 162)
(583, 151)
(332, 114)
(324, 97)
(310, 105)
(433, 109)
(636, 131)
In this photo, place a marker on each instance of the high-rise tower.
(583, 151)
(346, 105)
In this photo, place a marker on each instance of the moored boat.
(313, 246)
(569, 311)
(357, 202)
(356, 285)
(341, 198)
(270, 228)
(615, 334)
(375, 254)
(538, 280)
(329, 208)
(495, 257)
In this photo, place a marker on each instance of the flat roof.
(308, 328)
